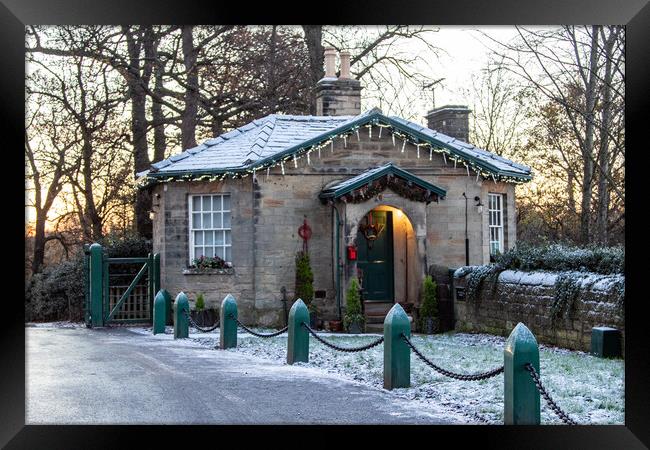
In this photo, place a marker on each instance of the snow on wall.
(528, 297)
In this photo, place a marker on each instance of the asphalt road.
(114, 376)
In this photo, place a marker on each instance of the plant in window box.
(354, 320)
(209, 262)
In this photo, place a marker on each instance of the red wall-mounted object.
(352, 253)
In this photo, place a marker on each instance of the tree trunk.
(90, 208)
(138, 97)
(313, 39)
(189, 120)
(603, 153)
(157, 116)
(587, 150)
(39, 242)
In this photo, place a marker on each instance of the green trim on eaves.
(389, 168)
(372, 116)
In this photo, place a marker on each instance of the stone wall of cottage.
(528, 297)
(266, 215)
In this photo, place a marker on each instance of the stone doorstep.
(379, 327)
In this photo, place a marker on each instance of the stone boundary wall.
(528, 297)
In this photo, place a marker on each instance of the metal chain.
(255, 333)
(556, 409)
(195, 325)
(457, 376)
(343, 349)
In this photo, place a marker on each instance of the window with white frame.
(210, 226)
(495, 211)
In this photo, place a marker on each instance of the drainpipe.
(337, 265)
(466, 237)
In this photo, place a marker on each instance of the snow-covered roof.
(339, 188)
(273, 138)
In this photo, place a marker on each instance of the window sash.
(495, 223)
(210, 232)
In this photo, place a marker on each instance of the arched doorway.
(387, 256)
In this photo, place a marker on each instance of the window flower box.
(208, 271)
(208, 266)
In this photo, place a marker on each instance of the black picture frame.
(15, 14)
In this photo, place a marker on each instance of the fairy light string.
(481, 173)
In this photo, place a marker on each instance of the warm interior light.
(399, 213)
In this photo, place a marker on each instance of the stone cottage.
(384, 198)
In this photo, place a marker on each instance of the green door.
(375, 257)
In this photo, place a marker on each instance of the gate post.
(228, 325)
(397, 354)
(156, 273)
(96, 286)
(298, 340)
(159, 312)
(521, 397)
(181, 325)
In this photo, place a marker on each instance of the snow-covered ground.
(589, 389)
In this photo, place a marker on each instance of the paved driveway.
(115, 376)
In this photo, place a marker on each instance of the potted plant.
(429, 320)
(354, 320)
(304, 287)
(200, 307)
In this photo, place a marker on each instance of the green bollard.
(298, 340)
(156, 272)
(181, 324)
(169, 308)
(159, 313)
(228, 325)
(521, 397)
(397, 354)
(169, 319)
(96, 286)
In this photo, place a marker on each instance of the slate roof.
(339, 188)
(271, 138)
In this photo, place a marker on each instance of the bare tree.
(580, 69)
(498, 110)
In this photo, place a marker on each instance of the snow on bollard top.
(522, 338)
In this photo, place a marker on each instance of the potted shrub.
(304, 285)
(429, 320)
(354, 320)
(200, 307)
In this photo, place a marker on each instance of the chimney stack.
(345, 65)
(330, 62)
(452, 120)
(338, 96)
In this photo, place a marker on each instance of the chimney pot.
(330, 66)
(345, 65)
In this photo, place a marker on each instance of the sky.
(465, 53)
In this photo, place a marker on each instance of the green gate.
(119, 290)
